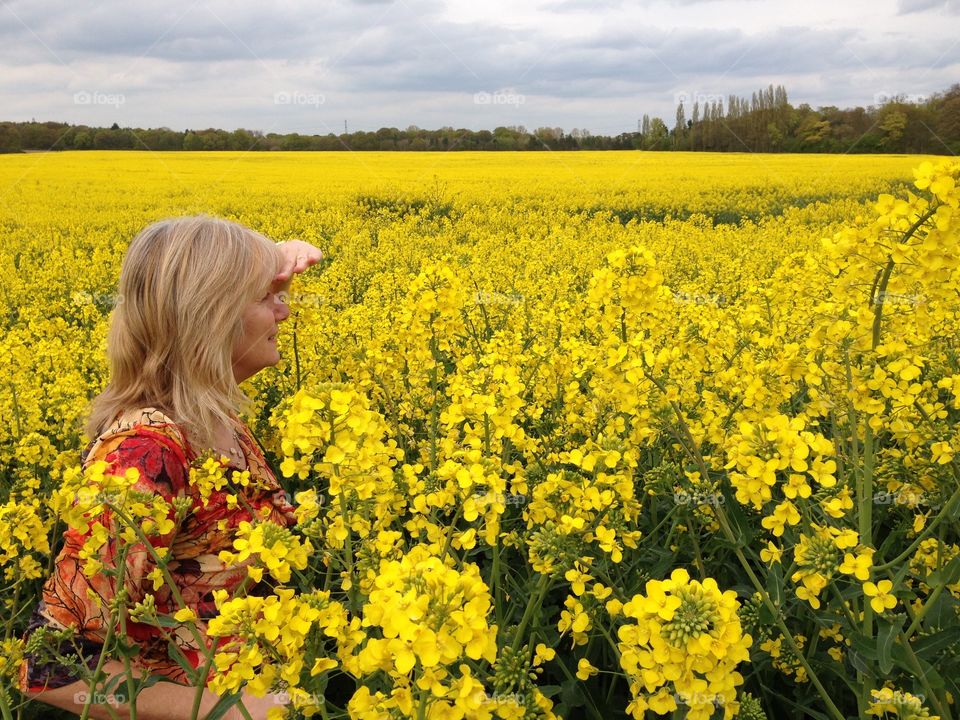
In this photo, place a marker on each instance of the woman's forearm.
(163, 701)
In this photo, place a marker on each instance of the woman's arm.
(163, 701)
(297, 255)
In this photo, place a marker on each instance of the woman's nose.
(281, 307)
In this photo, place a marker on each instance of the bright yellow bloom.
(880, 597)
(585, 670)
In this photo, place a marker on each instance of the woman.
(200, 301)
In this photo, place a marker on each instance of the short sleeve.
(71, 598)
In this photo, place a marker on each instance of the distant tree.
(892, 122)
(9, 137)
(241, 139)
(948, 119)
(658, 137)
(82, 140)
(113, 139)
(192, 141)
(679, 128)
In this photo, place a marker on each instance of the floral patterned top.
(148, 440)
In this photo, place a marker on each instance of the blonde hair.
(183, 288)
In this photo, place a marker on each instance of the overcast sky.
(308, 66)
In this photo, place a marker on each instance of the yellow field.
(587, 393)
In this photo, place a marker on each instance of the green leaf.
(126, 650)
(224, 704)
(176, 654)
(887, 633)
(931, 646)
(930, 674)
(775, 585)
(806, 710)
(740, 524)
(863, 653)
(167, 621)
(947, 575)
(943, 612)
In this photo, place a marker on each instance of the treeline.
(766, 122)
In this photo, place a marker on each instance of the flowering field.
(581, 435)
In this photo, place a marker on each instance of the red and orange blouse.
(149, 441)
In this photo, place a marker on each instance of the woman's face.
(257, 347)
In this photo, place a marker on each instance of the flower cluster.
(271, 546)
(23, 537)
(887, 701)
(263, 641)
(429, 618)
(687, 640)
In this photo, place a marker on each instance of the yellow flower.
(858, 565)
(771, 553)
(543, 654)
(185, 615)
(784, 514)
(585, 669)
(879, 594)
(321, 665)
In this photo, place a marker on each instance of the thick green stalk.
(4, 707)
(543, 585)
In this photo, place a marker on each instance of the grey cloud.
(400, 62)
(905, 7)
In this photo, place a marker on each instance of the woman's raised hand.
(297, 255)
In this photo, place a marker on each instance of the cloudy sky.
(310, 65)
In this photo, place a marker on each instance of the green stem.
(542, 586)
(918, 618)
(945, 511)
(16, 411)
(591, 707)
(434, 415)
(4, 707)
(202, 682)
(881, 287)
(296, 355)
(13, 608)
(352, 593)
(865, 526)
(161, 564)
(107, 640)
(128, 668)
(758, 586)
(778, 619)
(495, 584)
(944, 711)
